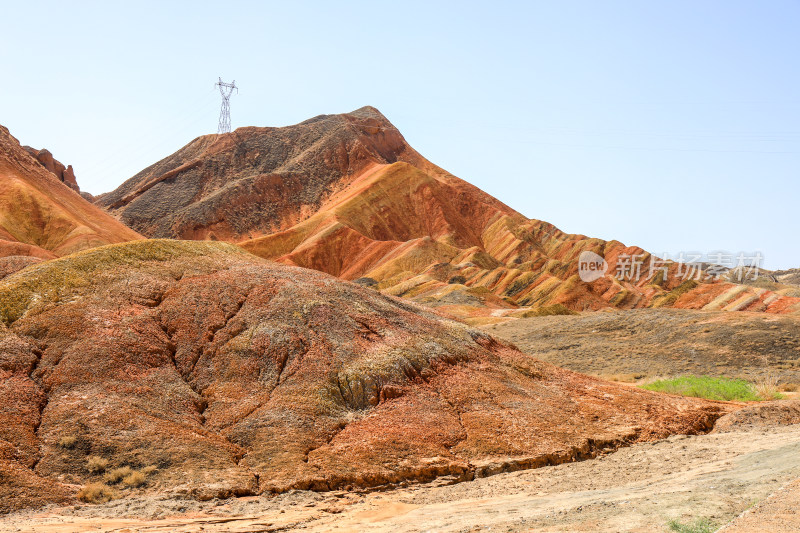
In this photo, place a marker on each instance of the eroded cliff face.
(219, 373)
(40, 215)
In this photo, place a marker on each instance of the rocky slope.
(347, 195)
(40, 216)
(255, 181)
(212, 372)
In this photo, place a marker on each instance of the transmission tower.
(225, 89)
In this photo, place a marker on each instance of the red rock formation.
(42, 217)
(233, 375)
(345, 194)
(65, 174)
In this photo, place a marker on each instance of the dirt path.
(716, 476)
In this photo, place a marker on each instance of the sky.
(674, 126)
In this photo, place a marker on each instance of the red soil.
(230, 374)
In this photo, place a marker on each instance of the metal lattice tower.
(225, 89)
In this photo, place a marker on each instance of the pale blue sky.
(674, 126)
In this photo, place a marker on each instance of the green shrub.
(710, 388)
(701, 525)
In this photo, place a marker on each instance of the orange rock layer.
(42, 217)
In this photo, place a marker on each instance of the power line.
(225, 89)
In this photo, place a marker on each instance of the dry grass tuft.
(96, 493)
(789, 387)
(149, 470)
(623, 378)
(766, 386)
(96, 465)
(68, 442)
(117, 475)
(129, 477)
(134, 479)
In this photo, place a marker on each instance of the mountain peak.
(366, 112)
(255, 181)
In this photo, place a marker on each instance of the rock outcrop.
(65, 174)
(217, 373)
(40, 215)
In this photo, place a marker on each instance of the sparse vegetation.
(549, 310)
(701, 525)
(68, 442)
(789, 387)
(134, 479)
(708, 387)
(456, 280)
(128, 477)
(623, 378)
(767, 382)
(63, 278)
(96, 493)
(96, 465)
(767, 386)
(149, 470)
(118, 474)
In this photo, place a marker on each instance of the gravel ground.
(648, 343)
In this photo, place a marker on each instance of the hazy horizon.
(670, 129)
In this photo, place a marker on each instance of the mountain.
(202, 370)
(346, 195)
(41, 216)
(255, 181)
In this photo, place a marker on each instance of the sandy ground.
(717, 476)
(779, 512)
